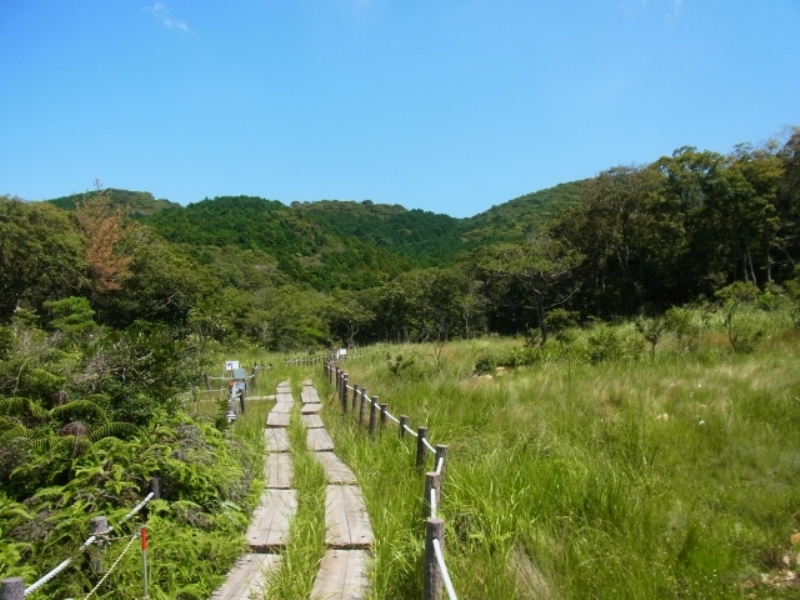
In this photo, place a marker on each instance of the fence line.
(14, 587)
(113, 566)
(435, 574)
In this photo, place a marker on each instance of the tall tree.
(105, 229)
(41, 254)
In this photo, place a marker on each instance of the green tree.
(41, 254)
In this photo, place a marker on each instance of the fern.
(117, 429)
(82, 408)
(22, 406)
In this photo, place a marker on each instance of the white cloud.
(160, 11)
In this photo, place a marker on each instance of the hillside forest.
(632, 241)
(113, 302)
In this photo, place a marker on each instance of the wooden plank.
(278, 419)
(309, 396)
(311, 421)
(279, 470)
(249, 577)
(346, 518)
(308, 409)
(336, 471)
(307, 382)
(261, 397)
(282, 407)
(284, 397)
(276, 439)
(269, 527)
(318, 440)
(284, 385)
(342, 575)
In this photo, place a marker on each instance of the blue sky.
(447, 105)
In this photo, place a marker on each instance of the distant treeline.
(633, 240)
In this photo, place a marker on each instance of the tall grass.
(656, 477)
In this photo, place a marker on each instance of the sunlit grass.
(658, 477)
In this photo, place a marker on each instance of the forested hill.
(517, 218)
(134, 203)
(424, 237)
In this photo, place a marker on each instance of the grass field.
(665, 475)
(668, 476)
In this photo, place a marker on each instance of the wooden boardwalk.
(342, 575)
(269, 529)
(343, 571)
(248, 578)
(279, 471)
(312, 421)
(270, 524)
(318, 440)
(336, 472)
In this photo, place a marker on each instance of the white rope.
(114, 566)
(409, 430)
(439, 465)
(448, 585)
(89, 541)
(428, 444)
(433, 503)
(350, 387)
(51, 574)
(137, 508)
(390, 416)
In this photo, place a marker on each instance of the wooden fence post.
(97, 526)
(343, 395)
(12, 588)
(432, 580)
(403, 425)
(345, 381)
(362, 407)
(432, 482)
(384, 410)
(373, 415)
(356, 393)
(208, 381)
(422, 451)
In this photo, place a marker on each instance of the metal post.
(432, 576)
(145, 572)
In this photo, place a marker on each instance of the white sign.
(230, 365)
(341, 353)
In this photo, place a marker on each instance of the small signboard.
(240, 374)
(230, 365)
(341, 353)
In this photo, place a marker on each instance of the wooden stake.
(422, 451)
(432, 580)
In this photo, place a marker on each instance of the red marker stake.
(143, 532)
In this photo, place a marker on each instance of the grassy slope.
(649, 479)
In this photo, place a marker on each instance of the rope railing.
(448, 584)
(134, 537)
(435, 569)
(14, 588)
